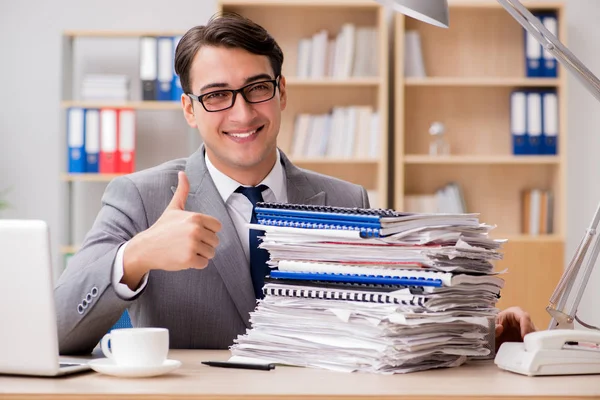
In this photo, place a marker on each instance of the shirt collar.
(275, 180)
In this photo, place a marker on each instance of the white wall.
(583, 18)
(31, 141)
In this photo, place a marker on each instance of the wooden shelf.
(136, 105)
(89, 177)
(325, 160)
(482, 81)
(327, 82)
(480, 159)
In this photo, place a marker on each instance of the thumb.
(181, 194)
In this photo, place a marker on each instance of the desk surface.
(481, 380)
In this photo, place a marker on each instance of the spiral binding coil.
(331, 209)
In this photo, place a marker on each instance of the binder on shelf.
(518, 122)
(534, 122)
(550, 66)
(148, 67)
(92, 140)
(165, 69)
(176, 88)
(126, 149)
(108, 141)
(550, 123)
(533, 56)
(76, 139)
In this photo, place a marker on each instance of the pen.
(228, 364)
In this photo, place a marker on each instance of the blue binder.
(518, 122)
(365, 221)
(176, 89)
(550, 125)
(534, 122)
(76, 139)
(533, 56)
(92, 140)
(165, 69)
(550, 65)
(318, 215)
(355, 278)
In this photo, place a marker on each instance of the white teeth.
(243, 135)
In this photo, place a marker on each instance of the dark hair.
(228, 30)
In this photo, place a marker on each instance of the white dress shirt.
(238, 206)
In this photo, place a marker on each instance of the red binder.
(109, 135)
(126, 148)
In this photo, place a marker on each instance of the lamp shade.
(434, 12)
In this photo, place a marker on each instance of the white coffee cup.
(137, 347)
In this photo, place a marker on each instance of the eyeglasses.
(219, 100)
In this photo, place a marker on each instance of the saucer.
(108, 367)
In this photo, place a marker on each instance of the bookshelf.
(471, 69)
(76, 185)
(320, 95)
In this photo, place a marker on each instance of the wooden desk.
(196, 381)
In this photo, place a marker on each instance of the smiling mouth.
(244, 134)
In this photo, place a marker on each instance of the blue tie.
(258, 257)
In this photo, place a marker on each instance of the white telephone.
(552, 352)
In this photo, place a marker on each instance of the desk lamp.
(560, 350)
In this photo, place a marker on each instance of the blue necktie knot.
(258, 257)
(254, 194)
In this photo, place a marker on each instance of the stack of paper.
(373, 291)
(105, 87)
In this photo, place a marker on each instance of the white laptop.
(28, 337)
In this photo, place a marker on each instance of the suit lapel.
(231, 264)
(299, 189)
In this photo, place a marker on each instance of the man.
(170, 243)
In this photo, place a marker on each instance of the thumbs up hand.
(178, 240)
(181, 193)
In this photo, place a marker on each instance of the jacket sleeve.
(87, 305)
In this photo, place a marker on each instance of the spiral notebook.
(357, 278)
(341, 294)
(365, 287)
(411, 277)
(370, 222)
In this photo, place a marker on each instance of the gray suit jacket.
(205, 308)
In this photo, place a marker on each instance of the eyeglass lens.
(256, 93)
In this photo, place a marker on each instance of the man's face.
(243, 137)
